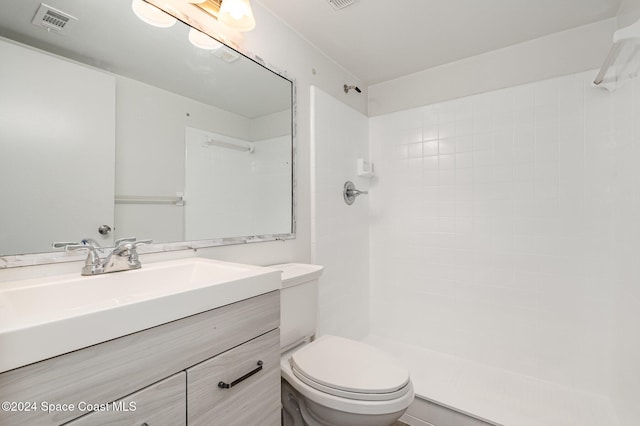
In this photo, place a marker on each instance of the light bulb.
(152, 15)
(238, 11)
(237, 14)
(202, 40)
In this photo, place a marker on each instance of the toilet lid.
(347, 366)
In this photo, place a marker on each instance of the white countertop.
(45, 317)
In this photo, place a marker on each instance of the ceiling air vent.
(341, 4)
(51, 18)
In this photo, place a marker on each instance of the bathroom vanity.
(217, 366)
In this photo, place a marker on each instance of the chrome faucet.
(123, 257)
(93, 262)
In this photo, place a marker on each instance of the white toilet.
(332, 381)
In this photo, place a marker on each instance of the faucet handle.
(127, 247)
(76, 246)
(93, 262)
(93, 243)
(64, 244)
(124, 240)
(131, 242)
(92, 258)
(133, 253)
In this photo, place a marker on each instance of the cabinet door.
(161, 404)
(250, 399)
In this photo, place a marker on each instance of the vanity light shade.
(237, 14)
(203, 41)
(152, 15)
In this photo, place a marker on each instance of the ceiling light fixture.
(205, 17)
(152, 15)
(203, 41)
(237, 14)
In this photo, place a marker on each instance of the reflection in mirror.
(111, 121)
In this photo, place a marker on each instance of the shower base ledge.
(493, 395)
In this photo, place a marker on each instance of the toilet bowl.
(338, 381)
(332, 381)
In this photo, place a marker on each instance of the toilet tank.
(298, 302)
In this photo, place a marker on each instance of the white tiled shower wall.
(340, 233)
(500, 225)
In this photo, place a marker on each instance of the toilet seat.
(349, 369)
(352, 395)
(368, 405)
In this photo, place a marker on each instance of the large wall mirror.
(113, 128)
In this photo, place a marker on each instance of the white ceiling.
(379, 40)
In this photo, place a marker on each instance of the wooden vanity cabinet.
(252, 372)
(170, 372)
(163, 403)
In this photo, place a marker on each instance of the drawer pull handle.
(223, 385)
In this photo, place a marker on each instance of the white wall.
(232, 193)
(628, 13)
(339, 238)
(570, 51)
(271, 190)
(49, 156)
(626, 252)
(270, 126)
(218, 188)
(492, 229)
(150, 154)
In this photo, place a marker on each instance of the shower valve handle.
(350, 192)
(355, 192)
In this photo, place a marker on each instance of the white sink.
(45, 317)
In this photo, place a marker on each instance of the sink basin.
(45, 317)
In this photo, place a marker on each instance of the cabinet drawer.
(252, 401)
(161, 404)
